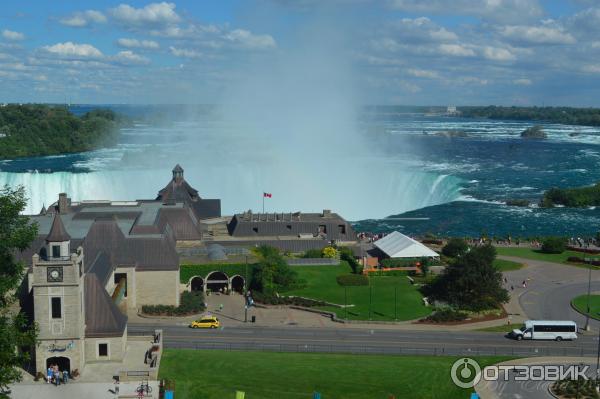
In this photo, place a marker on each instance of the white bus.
(546, 329)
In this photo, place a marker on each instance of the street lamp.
(246, 293)
(587, 314)
(598, 364)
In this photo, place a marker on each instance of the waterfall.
(354, 192)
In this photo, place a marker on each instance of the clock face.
(55, 274)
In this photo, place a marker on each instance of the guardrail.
(384, 350)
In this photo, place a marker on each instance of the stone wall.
(157, 288)
(116, 349)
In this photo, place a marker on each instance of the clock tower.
(58, 292)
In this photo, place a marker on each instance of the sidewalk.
(87, 390)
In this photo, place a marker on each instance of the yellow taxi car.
(206, 322)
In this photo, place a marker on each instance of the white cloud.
(456, 50)
(505, 10)
(545, 34)
(423, 29)
(135, 43)
(472, 80)
(12, 35)
(249, 40)
(422, 73)
(128, 57)
(184, 52)
(75, 50)
(523, 82)
(152, 14)
(591, 68)
(497, 54)
(83, 19)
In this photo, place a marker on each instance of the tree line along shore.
(39, 130)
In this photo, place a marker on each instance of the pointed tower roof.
(177, 168)
(58, 233)
(43, 211)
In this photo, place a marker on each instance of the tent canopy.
(397, 245)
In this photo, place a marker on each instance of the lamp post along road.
(246, 293)
(587, 313)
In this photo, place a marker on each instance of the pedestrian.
(65, 374)
(220, 307)
(512, 287)
(56, 375)
(505, 280)
(49, 374)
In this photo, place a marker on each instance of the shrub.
(347, 255)
(447, 315)
(455, 247)
(553, 245)
(575, 259)
(313, 253)
(191, 303)
(346, 280)
(398, 262)
(330, 252)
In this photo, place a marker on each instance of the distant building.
(451, 110)
(94, 262)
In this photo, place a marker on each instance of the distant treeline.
(564, 115)
(38, 130)
(572, 197)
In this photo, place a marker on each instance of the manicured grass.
(535, 254)
(321, 284)
(580, 303)
(271, 375)
(507, 265)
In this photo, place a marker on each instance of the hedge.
(352, 280)
(231, 269)
(191, 303)
(447, 315)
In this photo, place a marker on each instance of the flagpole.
(263, 202)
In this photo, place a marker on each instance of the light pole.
(395, 303)
(370, 300)
(587, 314)
(346, 303)
(598, 364)
(246, 293)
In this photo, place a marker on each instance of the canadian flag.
(267, 195)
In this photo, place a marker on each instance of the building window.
(102, 350)
(255, 229)
(56, 251)
(341, 229)
(118, 278)
(56, 308)
(322, 229)
(289, 226)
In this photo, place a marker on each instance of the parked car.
(206, 322)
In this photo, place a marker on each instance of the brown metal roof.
(58, 233)
(102, 317)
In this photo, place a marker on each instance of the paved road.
(550, 289)
(372, 341)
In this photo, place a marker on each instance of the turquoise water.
(400, 177)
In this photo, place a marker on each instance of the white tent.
(397, 245)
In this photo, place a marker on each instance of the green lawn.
(580, 303)
(535, 254)
(322, 284)
(507, 265)
(272, 375)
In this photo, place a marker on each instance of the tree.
(17, 336)
(553, 245)
(471, 282)
(455, 247)
(272, 273)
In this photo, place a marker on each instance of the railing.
(385, 350)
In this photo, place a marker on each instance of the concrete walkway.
(87, 390)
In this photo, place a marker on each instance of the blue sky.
(510, 52)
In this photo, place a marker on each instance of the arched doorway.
(217, 281)
(64, 363)
(237, 284)
(197, 283)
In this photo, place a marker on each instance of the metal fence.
(384, 350)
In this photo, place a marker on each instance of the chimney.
(326, 213)
(63, 203)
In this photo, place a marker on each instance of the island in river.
(39, 130)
